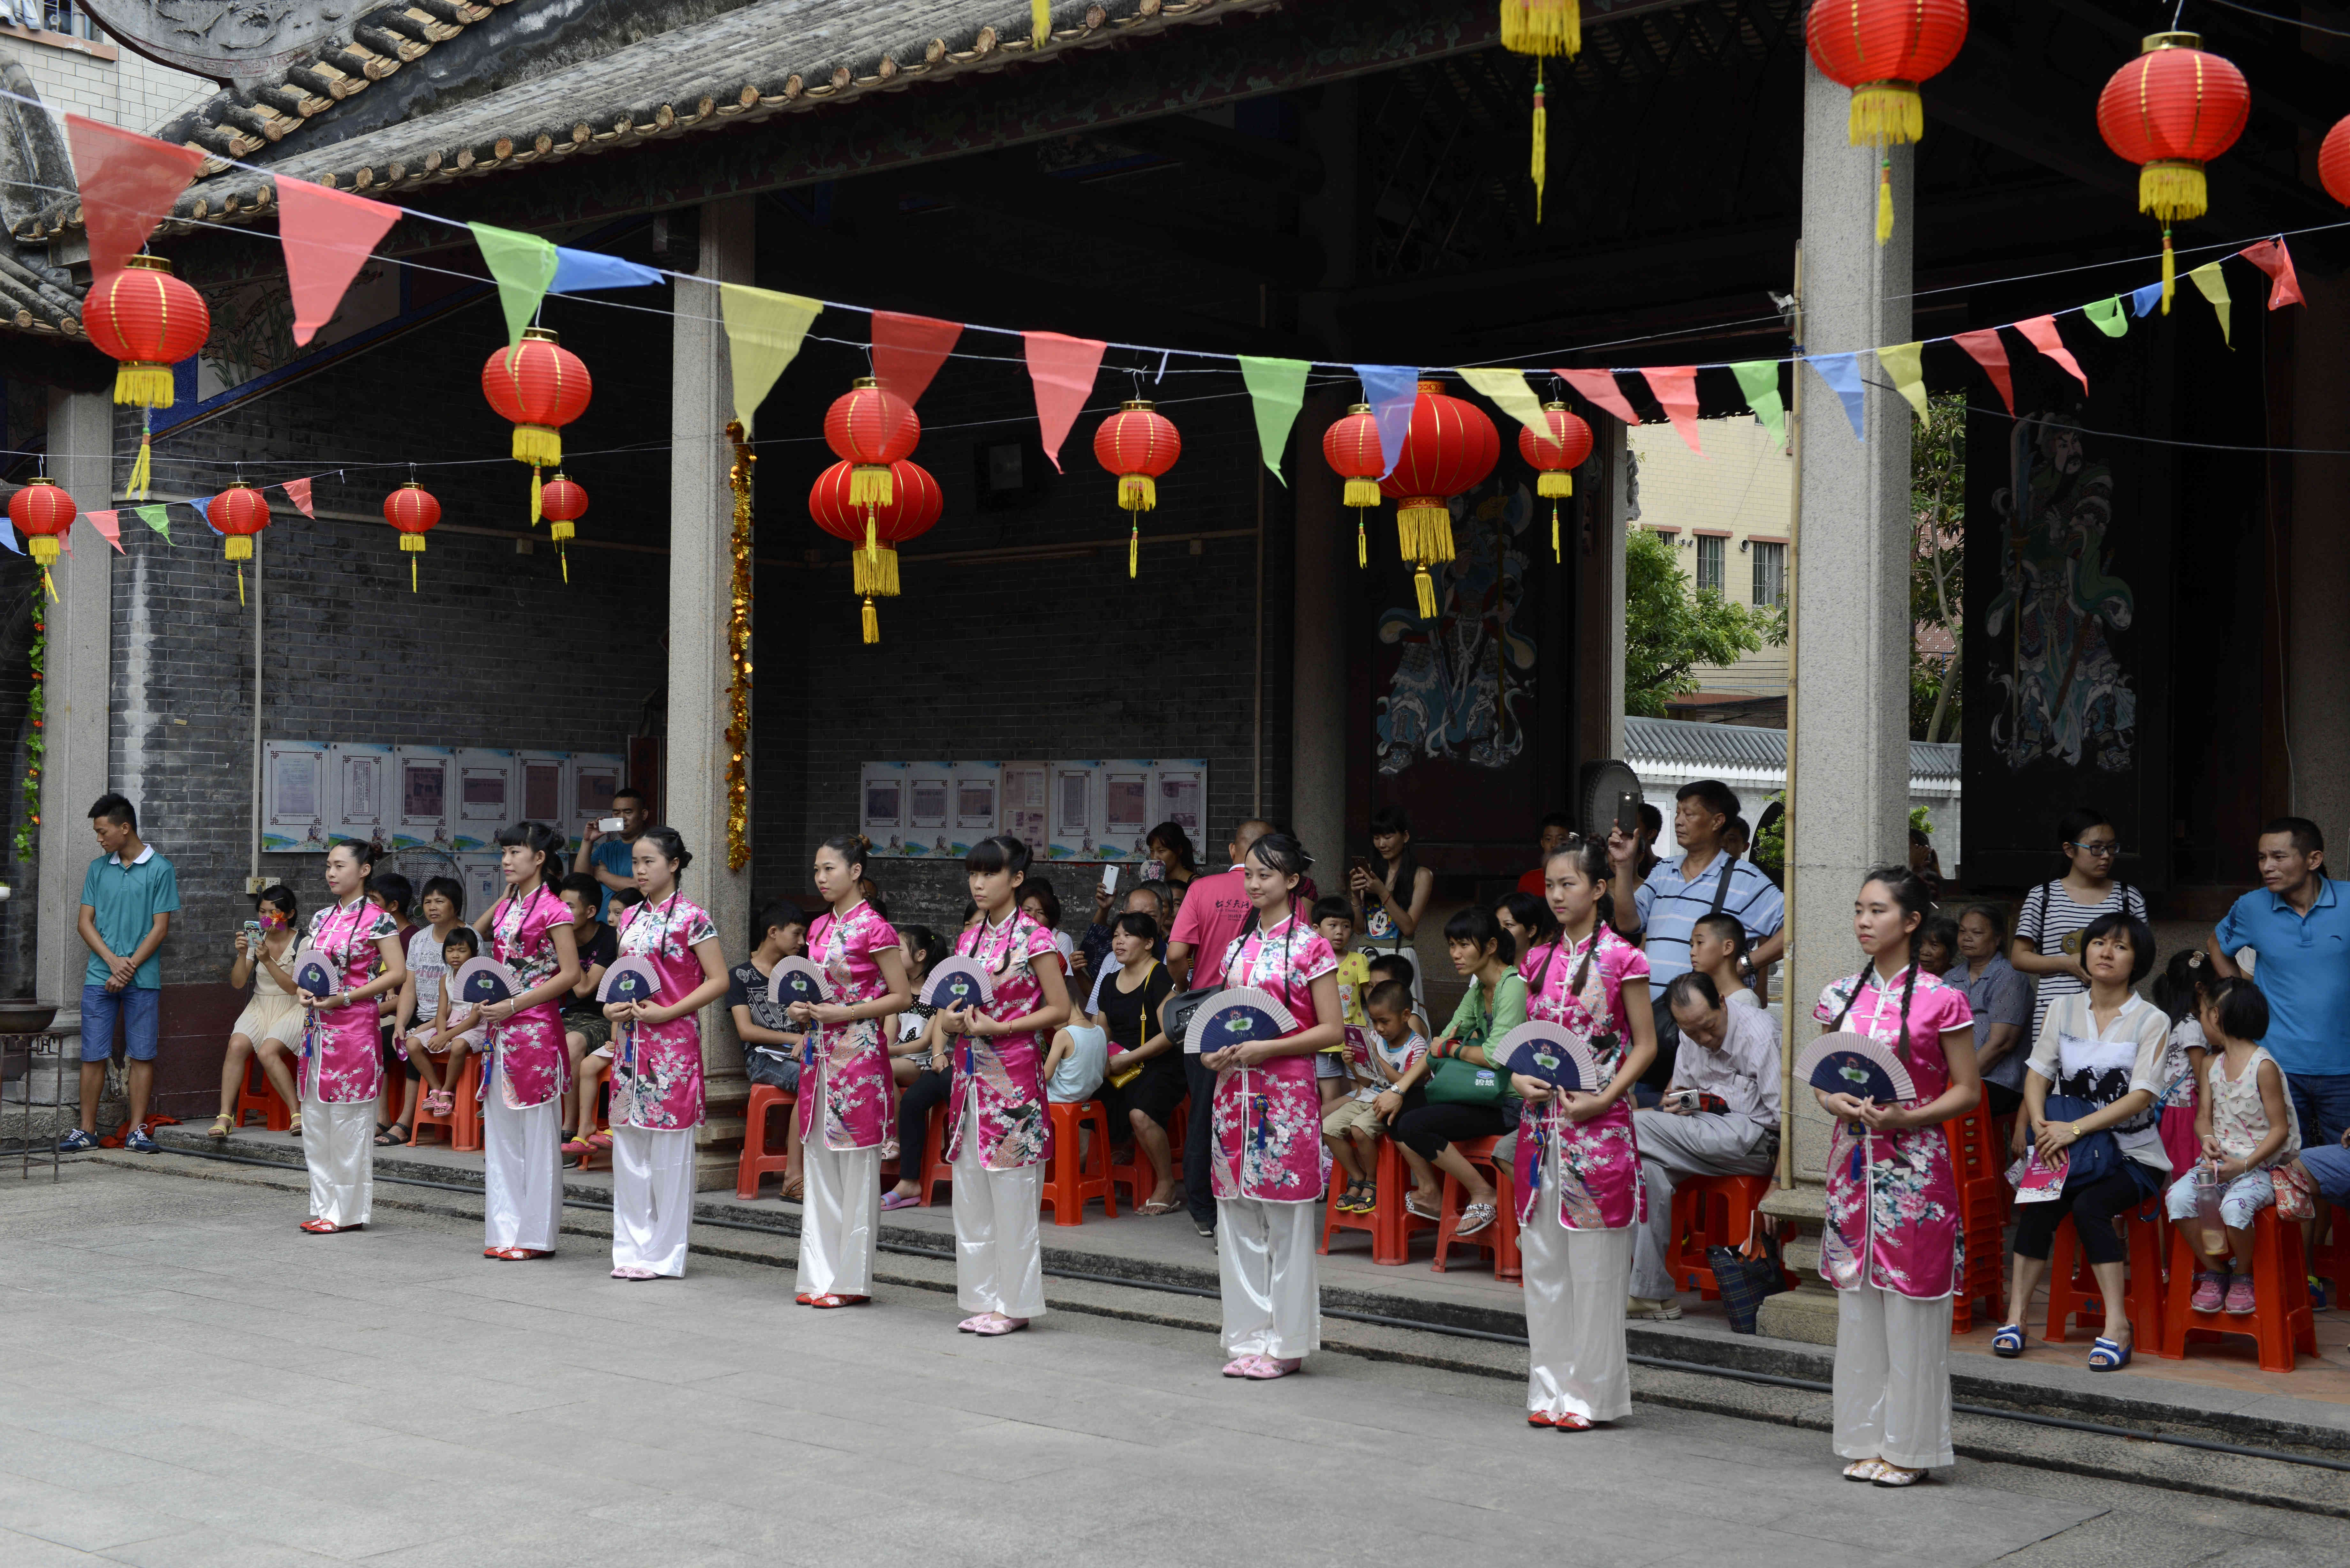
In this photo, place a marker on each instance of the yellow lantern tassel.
(1554, 482)
(1133, 544)
(869, 485)
(563, 559)
(1542, 146)
(143, 471)
(50, 583)
(1426, 588)
(1556, 558)
(145, 386)
(411, 576)
(534, 496)
(872, 621)
(1541, 26)
(1137, 492)
(1362, 492)
(1883, 199)
(541, 446)
(1885, 112)
(872, 540)
(1362, 542)
(240, 584)
(2169, 270)
(412, 546)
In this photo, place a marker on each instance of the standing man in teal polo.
(128, 898)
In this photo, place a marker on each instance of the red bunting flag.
(327, 235)
(108, 526)
(1988, 351)
(1675, 387)
(129, 183)
(2040, 331)
(908, 350)
(297, 491)
(1062, 370)
(1598, 387)
(2272, 258)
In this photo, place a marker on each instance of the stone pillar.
(1620, 511)
(1850, 748)
(1317, 724)
(2318, 643)
(700, 594)
(77, 680)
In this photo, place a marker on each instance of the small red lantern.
(1448, 450)
(538, 387)
(1137, 443)
(562, 503)
(1351, 447)
(413, 510)
(2171, 111)
(1554, 460)
(2334, 161)
(913, 508)
(1882, 50)
(42, 512)
(239, 512)
(871, 429)
(149, 320)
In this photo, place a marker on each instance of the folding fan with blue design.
(1849, 1064)
(314, 973)
(483, 981)
(798, 980)
(1550, 1053)
(629, 979)
(959, 982)
(1235, 1017)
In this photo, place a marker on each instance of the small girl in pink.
(524, 1065)
(341, 1067)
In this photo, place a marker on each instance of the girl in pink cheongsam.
(1891, 1244)
(1577, 1175)
(524, 1063)
(999, 1133)
(657, 1063)
(341, 1067)
(1268, 1163)
(844, 1093)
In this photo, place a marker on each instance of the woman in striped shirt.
(2047, 942)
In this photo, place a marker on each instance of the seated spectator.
(771, 1047)
(271, 1023)
(417, 1004)
(923, 948)
(457, 1027)
(397, 895)
(587, 1033)
(2248, 1128)
(2326, 1168)
(1718, 951)
(1720, 1116)
(2000, 999)
(1145, 1080)
(1527, 918)
(1352, 1127)
(1398, 967)
(1938, 944)
(918, 1061)
(1551, 837)
(1334, 918)
(1091, 959)
(2183, 989)
(1429, 1129)
(1042, 905)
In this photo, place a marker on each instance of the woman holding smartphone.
(271, 1024)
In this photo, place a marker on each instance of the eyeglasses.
(2105, 851)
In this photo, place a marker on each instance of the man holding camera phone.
(606, 847)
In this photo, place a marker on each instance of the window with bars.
(50, 16)
(1710, 557)
(1770, 575)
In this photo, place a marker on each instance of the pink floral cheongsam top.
(1591, 1169)
(849, 1061)
(1000, 1078)
(525, 1052)
(343, 1045)
(1893, 1217)
(1268, 1118)
(657, 1068)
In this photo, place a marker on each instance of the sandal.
(898, 1200)
(2106, 1355)
(295, 1130)
(2008, 1342)
(1864, 1470)
(578, 1145)
(391, 1136)
(222, 1125)
(1474, 1219)
(1417, 1206)
(599, 1140)
(1151, 1208)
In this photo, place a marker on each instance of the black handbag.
(1175, 1013)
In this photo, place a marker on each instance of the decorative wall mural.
(1463, 686)
(228, 40)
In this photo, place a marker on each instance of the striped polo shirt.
(1671, 906)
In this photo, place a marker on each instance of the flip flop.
(1151, 1208)
(898, 1200)
(1412, 1203)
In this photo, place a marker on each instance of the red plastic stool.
(1501, 1238)
(2072, 1289)
(2280, 1324)
(758, 1156)
(256, 1095)
(936, 1171)
(1391, 1225)
(467, 1121)
(460, 1098)
(1076, 1173)
(1711, 1211)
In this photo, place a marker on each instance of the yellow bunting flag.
(1908, 376)
(763, 330)
(2214, 285)
(1508, 390)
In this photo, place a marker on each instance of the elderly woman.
(2001, 999)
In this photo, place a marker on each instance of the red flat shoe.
(318, 1227)
(1541, 1419)
(805, 1298)
(1572, 1423)
(828, 1303)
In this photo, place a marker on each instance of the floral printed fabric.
(343, 1045)
(1893, 1219)
(529, 1047)
(1000, 1076)
(1268, 1119)
(851, 1061)
(1593, 1167)
(657, 1068)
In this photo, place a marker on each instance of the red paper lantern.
(1555, 459)
(913, 508)
(413, 510)
(1351, 447)
(1137, 443)
(562, 503)
(1448, 450)
(870, 428)
(42, 512)
(239, 512)
(2171, 111)
(538, 387)
(2334, 161)
(1882, 50)
(151, 321)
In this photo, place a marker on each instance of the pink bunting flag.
(129, 183)
(908, 350)
(327, 236)
(108, 526)
(2040, 331)
(1985, 349)
(297, 491)
(1062, 370)
(2272, 258)
(1675, 387)
(1598, 387)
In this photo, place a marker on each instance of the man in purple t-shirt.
(1214, 911)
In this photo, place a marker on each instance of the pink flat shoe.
(968, 1325)
(997, 1325)
(1269, 1368)
(1239, 1365)
(632, 1271)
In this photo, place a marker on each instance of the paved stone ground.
(187, 1379)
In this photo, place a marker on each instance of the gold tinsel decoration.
(738, 652)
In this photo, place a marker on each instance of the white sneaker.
(1664, 1311)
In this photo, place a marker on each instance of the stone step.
(1802, 1253)
(1805, 1202)
(1806, 1314)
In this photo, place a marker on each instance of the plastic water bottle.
(2208, 1188)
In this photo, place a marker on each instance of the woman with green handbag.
(1453, 1093)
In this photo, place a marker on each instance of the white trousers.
(1271, 1277)
(999, 1259)
(652, 1198)
(1892, 1379)
(836, 1221)
(523, 1174)
(338, 1143)
(1575, 1286)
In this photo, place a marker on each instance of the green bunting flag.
(1759, 380)
(524, 265)
(2108, 315)
(2214, 285)
(763, 330)
(1277, 387)
(1909, 374)
(157, 518)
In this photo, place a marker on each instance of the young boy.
(587, 1033)
(1334, 918)
(771, 1051)
(1715, 944)
(1352, 1127)
(1399, 968)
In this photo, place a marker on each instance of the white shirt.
(2129, 1053)
(1744, 1069)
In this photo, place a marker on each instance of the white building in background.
(1726, 515)
(79, 70)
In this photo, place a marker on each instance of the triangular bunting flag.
(1985, 349)
(1393, 391)
(65, 541)
(1759, 380)
(1598, 388)
(1903, 366)
(1062, 369)
(2272, 258)
(110, 527)
(297, 491)
(2040, 331)
(1675, 387)
(2108, 315)
(524, 265)
(8, 538)
(578, 271)
(157, 518)
(1508, 390)
(2214, 285)
(763, 331)
(1842, 373)
(908, 350)
(203, 507)
(2144, 300)
(327, 236)
(127, 183)
(1277, 389)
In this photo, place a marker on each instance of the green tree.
(1937, 507)
(1671, 629)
